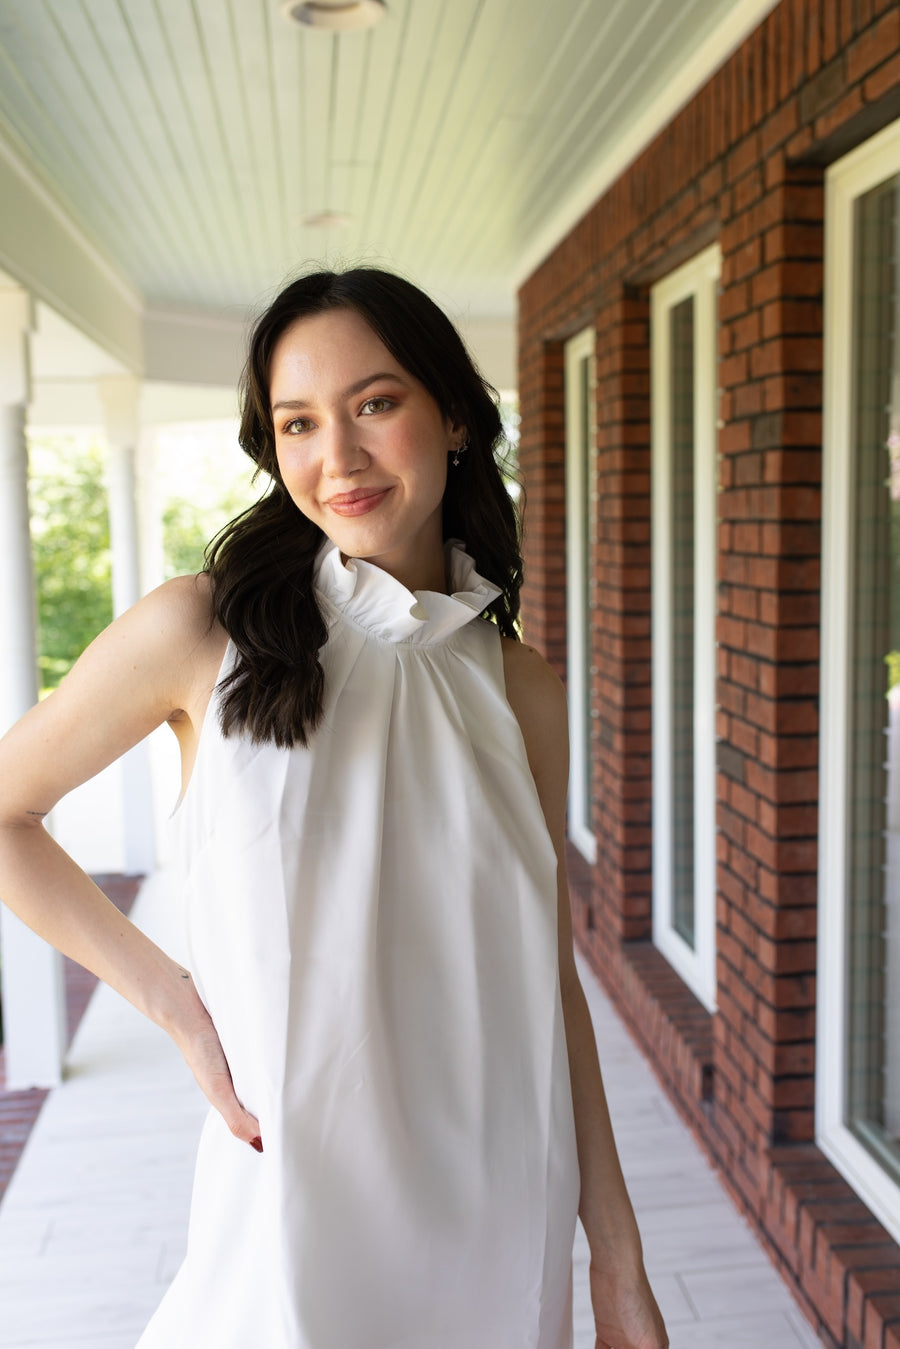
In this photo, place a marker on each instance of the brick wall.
(542, 458)
(744, 164)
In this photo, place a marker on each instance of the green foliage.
(188, 526)
(204, 478)
(892, 661)
(204, 482)
(70, 532)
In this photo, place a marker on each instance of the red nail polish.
(256, 1143)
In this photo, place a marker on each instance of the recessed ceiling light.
(325, 219)
(337, 15)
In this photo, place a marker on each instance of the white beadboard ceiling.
(187, 139)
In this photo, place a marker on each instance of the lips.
(360, 502)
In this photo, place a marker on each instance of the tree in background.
(202, 479)
(70, 532)
(189, 525)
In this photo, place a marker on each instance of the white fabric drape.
(372, 925)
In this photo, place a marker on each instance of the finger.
(244, 1126)
(199, 1042)
(240, 1122)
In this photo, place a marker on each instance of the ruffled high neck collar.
(374, 600)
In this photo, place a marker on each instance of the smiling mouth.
(357, 503)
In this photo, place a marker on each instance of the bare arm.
(625, 1311)
(150, 666)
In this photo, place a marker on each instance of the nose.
(343, 454)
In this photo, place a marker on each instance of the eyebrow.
(295, 403)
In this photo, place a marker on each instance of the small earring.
(460, 449)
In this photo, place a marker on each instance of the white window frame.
(578, 659)
(855, 174)
(698, 278)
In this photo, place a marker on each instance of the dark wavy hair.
(261, 564)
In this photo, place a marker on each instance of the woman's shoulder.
(183, 598)
(528, 672)
(534, 690)
(538, 700)
(181, 610)
(170, 637)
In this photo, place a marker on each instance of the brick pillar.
(770, 512)
(621, 906)
(542, 456)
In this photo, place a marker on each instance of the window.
(683, 474)
(858, 1078)
(580, 393)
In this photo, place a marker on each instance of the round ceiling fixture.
(336, 15)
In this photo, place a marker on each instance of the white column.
(120, 397)
(150, 507)
(32, 988)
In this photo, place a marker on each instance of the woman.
(382, 999)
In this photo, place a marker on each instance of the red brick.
(742, 262)
(830, 38)
(794, 1059)
(734, 370)
(792, 240)
(792, 465)
(869, 50)
(790, 539)
(790, 315)
(734, 438)
(786, 752)
(795, 278)
(837, 116)
(747, 331)
(746, 193)
(747, 537)
(880, 1309)
(885, 78)
(734, 300)
(779, 127)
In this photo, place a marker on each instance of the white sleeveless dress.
(372, 926)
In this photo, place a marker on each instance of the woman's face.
(361, 444)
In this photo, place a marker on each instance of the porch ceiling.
(187, 139)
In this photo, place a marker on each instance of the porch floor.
(93, 1224)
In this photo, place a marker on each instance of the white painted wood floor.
(93, 1224)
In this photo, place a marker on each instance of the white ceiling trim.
(47, 254)
(50, 204)
(60, 349)
(192, 348)
(744, 17)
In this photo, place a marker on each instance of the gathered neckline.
(374, 600)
